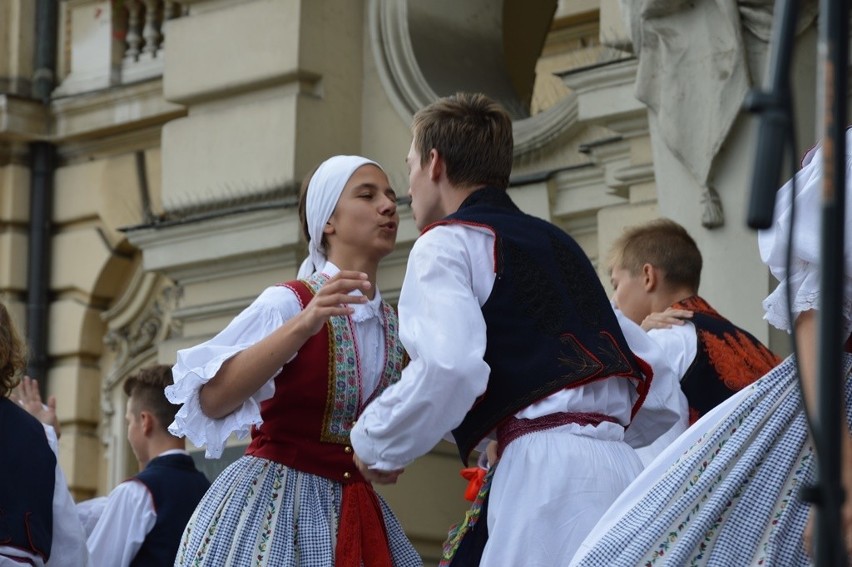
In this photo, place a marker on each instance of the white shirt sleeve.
(127, 519)
(804, 278)
(665, 405)
(69, 538)
(195, 366)
(443, 330)
(679, 344)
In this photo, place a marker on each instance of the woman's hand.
(666, 319)
(333, 299)
(242, 375)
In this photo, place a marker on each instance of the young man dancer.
(510, 335)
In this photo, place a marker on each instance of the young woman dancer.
(297, 367)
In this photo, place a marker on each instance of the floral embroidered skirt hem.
(731, 493)
(260, 513)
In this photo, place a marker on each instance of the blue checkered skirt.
(732, 497)
(259, 512)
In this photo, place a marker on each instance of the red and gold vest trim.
(317, 399)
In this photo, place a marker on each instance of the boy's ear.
(148, 422)
(436, 165)
(650, 277)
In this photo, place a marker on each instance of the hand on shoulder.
(666, 319)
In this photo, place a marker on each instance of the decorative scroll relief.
(139, 321)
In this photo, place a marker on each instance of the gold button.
(347, 475)
(347, 449)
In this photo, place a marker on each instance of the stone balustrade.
(105, 43)
(144, 36)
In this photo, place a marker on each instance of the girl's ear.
(329, 227)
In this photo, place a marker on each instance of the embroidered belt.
(514, 427)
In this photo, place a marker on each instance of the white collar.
(362, 311)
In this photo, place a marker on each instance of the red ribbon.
(475, 477)
(361, 536)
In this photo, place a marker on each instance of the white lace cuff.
(191, 422)
(804, 285)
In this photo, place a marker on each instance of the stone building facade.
(182, 129)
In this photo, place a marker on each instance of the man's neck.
(453, 196)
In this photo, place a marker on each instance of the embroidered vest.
(176, 488)
(27, 480)
(549, 322)
(317, 399)
(727, 360)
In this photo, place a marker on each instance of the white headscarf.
(324, 191)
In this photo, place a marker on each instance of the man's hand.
(379, 477)
(26, 393)
(665, 319)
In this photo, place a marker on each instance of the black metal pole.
(775, 108)
(774, 105)
(43, 165)
(43, 157)
(830, 423)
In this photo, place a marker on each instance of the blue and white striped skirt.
(259, 512)
(727, 491)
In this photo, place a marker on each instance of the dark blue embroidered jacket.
(549, 322)
(27, 480)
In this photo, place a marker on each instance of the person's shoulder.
(454, 230)
(28, 424)
(452, 238)
(673, 333)
(276, 296)
(132, 488)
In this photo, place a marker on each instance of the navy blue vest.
(176, 487)
(27, 479)
(549, 322)
(727, 360)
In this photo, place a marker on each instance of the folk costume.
(296, 498)
(727, 360)
(727, 492)
(144, 516)
(511, 336)
(714, 359)
(38, 523)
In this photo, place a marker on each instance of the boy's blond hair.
(664, 244)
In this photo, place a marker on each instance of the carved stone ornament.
(138, 322)
(712, 216)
